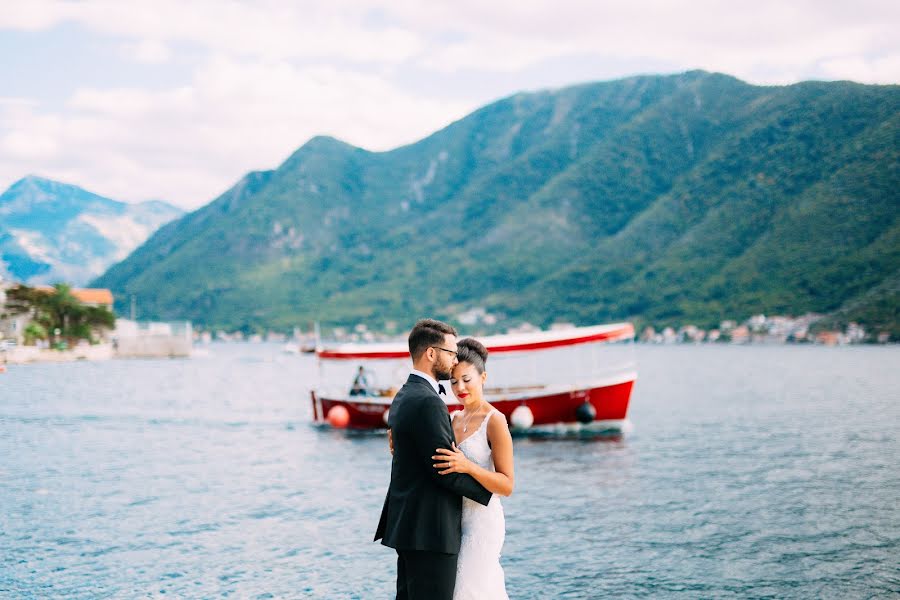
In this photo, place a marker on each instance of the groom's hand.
(452, 461)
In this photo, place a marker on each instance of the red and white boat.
(559, 380)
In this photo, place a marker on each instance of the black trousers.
(425, 575)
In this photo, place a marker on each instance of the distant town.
(52, 323)
(758, 329)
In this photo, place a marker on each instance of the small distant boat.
(558, 380)
(299, 348)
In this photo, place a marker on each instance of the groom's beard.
(441, 373)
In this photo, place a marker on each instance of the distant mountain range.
(665, 199)
(54, 232)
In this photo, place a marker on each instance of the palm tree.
(59, 311)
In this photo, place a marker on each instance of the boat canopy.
(573, 357)
(497, 344)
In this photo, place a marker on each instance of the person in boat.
(484, 450)
(362, 385)
(422, 513)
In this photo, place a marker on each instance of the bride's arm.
(500, 482)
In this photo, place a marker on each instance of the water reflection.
(609, 437)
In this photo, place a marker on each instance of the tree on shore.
(57, 310)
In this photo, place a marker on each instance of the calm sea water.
(751, 472)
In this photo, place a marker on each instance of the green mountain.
(669, 199)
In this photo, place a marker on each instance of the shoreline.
(30, 354)
(21, 355)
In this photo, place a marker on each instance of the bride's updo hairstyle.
(473, 352)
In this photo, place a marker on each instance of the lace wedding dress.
(478, 572)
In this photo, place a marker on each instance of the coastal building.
(757, 323)
(147, 339)
(476, 316)
(762, 329)
(855, 333)
(727, 325)
(524, 327)
(97, 297)
(669, 336)
(828, 338)
(740, 335)
(12, 327)
(691, 334)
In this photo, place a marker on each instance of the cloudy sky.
(176, 99)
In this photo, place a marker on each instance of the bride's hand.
(452, 461)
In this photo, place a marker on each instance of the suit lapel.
(416, 380)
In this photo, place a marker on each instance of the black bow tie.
(441, 389)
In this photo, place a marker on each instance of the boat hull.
(548, 410)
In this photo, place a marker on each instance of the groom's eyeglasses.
(445, 350)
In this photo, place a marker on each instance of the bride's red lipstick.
(463, 395)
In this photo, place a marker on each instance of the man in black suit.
(422, 512)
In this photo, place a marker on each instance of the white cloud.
(148, 51)
(38, 141)
(188, 144)
(270, 74)
(31, 16)
(864, 70)
(269, 30)
(760, 41)
(763, 42)
(23, 145)
(130, 103)
(496, 53)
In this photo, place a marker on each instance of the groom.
(422, 512)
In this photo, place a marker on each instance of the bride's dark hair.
(473, 352)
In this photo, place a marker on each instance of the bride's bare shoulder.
(497, 424)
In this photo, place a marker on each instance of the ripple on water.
(197, 479)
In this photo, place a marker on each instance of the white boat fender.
(585, 413)
(522, 417)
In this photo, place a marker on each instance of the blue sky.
(177, 99)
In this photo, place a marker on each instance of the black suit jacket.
(423, 509)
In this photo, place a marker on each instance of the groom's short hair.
(427, 333)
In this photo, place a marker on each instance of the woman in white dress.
(484, 450)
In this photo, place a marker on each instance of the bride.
(484, 450)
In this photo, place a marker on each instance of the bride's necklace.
(469, 418)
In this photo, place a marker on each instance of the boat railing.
(513, 389)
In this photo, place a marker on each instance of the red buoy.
(338, 417)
